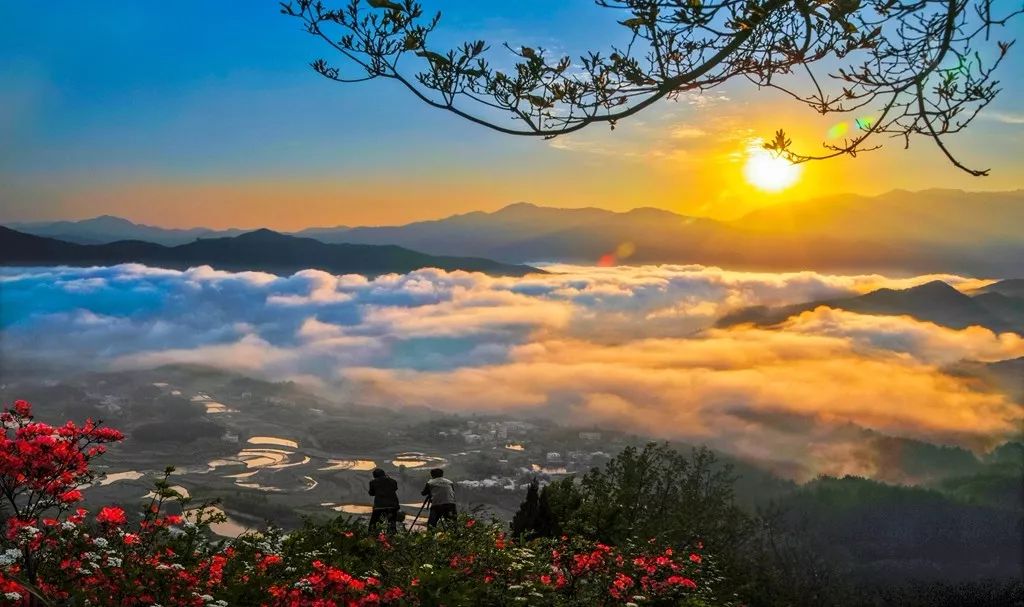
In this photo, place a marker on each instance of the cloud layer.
(631, 347)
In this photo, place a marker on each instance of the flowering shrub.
(54, 553)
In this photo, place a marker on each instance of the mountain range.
(897, 232)
(938, 302)
(260, 250)
(107, 228)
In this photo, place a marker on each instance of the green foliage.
(535, 517)
(653, 492)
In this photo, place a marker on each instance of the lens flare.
(768, 171)
(865, 123)
(838, 130)
(622, 252)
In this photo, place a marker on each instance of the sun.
(767, 171)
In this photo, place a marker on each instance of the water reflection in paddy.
(260, 487)
(415, 459)
(128, 475)
(273, 440)
(349, 508)
(255, 458)
(368, 508)
(350, 464)
(242, 474)
(229, 528)
(183, 491)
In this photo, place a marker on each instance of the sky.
(206, 113)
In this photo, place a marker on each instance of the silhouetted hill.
(522, 231)
(1010, 376)
(106, 229)
(1013, 287)
(929, 216)
(849, 233)
(262, 250)
(922, 232)
(935, 302)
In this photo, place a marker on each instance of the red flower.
(695, 558)
(111, 515)
(22, 408)
(72, 496)
(678, 580)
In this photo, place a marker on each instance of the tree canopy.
(909, 68)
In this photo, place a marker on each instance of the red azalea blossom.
(111, 515)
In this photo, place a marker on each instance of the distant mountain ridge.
(107, 228)
(260, 250)
(928, 216)
(936, 302)
(929, 231)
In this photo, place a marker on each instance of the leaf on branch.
(780, 143)
(412, 42)
(434, 57)
(538, 101)
(634, 23)
(385, 4)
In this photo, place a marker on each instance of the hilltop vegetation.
(655, 526)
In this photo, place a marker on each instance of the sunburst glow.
(768, 171)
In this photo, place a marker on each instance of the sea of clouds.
(628, 347)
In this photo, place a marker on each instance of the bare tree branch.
(908, 67)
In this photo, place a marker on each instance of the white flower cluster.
(270, 545)
(28, 532)
(9, 557)
(91, 556)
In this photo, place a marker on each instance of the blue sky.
(193, 112)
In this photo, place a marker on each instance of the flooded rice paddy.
(415, 459)
(360, 465)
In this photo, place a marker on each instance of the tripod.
(426, 501)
